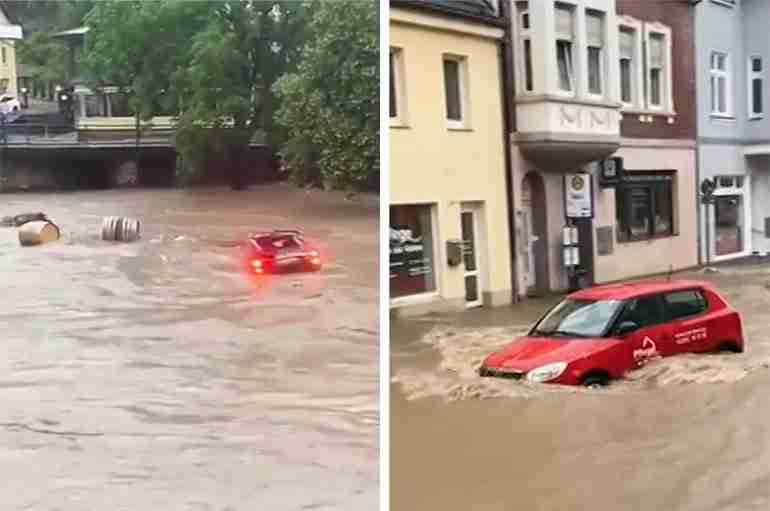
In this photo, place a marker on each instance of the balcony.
(560, 135)
(567, 98)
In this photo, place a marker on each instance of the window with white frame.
(657, 75)
(525, 37)
(720, 84)
(595, 51)
(656, 69)
(395, 75)
(628, 65)
(565, 34)
(455, 92)
(756, 81)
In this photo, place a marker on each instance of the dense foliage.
(330, 105)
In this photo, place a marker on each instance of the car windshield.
(578, 318)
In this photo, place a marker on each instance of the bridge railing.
(47, 134)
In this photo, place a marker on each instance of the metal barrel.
(115, 228)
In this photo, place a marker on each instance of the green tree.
(330, 105)
(227, 83)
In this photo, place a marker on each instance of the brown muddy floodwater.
(686, 433)
(156, 375)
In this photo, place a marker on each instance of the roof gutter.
(421, 5)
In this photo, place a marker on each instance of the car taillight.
(316, 261)
(257, 265)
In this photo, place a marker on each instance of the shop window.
(412, 258)
(644, 207)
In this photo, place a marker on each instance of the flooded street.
(684, 433)
(158, 375)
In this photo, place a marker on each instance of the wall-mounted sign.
(610, 172)
(578, 196)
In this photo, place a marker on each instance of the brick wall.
(679, 15)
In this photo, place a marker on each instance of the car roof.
(627, 290)
(276, 233)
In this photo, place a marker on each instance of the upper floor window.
(455, 92)
(720, 84)
(525, 36)
(756, 79)
(565, 33)
(628, 65)
(595, 49)
(656, 69)
(397, 96)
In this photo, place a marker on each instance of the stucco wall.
(8, 69)
(648, 257)
(430, 163)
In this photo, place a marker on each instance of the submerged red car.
(281, 251)
(596, 335)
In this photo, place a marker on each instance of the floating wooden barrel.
(37, 233)
(115, 228)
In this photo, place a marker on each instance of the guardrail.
(48, 134)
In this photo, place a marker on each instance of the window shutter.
(594, 30)
(564, 24)
(626, 43)
(656, 50)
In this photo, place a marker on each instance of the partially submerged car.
(281, 251)
(9, 104)
(598, 334)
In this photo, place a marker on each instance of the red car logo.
(596, 335)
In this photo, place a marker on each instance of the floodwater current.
(685, 433)
(159, 375)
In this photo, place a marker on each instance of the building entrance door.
(469, 218)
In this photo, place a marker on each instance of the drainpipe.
(698, 206)
(509, 126)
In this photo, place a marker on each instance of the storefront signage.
(578, 196)
(411, 262)
(610, 172)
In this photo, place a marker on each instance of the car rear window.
(681, 304)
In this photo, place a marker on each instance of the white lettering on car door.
(648, 351)
(698, 334)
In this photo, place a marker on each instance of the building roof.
(482, 10)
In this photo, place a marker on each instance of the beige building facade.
(449, 229)
(595, 88)
(9, 34)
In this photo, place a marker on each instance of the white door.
(469, 218)
(527, 238)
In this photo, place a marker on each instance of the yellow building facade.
(450, 245)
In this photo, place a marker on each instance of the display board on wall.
(578, 196)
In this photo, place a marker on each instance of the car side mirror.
(626, 327)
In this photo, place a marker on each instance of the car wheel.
(596, 381)
(731, 347)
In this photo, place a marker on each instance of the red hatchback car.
(596, 335)
(281, 251)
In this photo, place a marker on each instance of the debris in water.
(24, 218)
(296, 283)
(37, 233)
(710, 269)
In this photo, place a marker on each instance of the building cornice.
(460, 25)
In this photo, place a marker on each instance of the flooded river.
(156, 375)
(684, 433)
